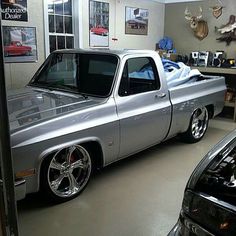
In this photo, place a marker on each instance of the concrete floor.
(140, 195)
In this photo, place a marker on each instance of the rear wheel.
(197, 127)
(66, 173)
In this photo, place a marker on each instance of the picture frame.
(98, 24)
(14, 10)
(136, 21)
(19, 44)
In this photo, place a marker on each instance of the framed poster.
(136, 21)
(98, 24)
(14, 10)
(19, 44)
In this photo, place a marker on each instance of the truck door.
(143, 106)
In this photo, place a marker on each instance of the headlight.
(217, 153)
(210, 196)
(209, 213)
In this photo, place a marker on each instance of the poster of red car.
(19, 44)
(98, 24)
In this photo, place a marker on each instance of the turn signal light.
(224, 225)
(25, 173)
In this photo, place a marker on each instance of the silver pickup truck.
(85, 109)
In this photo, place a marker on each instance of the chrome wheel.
(199, 123)
(69, 171)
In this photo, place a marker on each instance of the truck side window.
(139, 76)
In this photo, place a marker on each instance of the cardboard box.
(166, 55)
(161, 52)
(173, 56)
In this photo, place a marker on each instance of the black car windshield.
(89, 74)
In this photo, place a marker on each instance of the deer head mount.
(199, 26)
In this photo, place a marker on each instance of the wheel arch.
(210, 108)
(92, 145)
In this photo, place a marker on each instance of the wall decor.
(198, 26)
(98, 24)
(136, 21)
(14, 10)
(217, 10)
(19, 44)
(227, 31)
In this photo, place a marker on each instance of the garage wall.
(18, 74)
(117, 24)
(178, 28)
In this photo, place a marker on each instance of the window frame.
(33, 81)
(76, 24)
(155, 72)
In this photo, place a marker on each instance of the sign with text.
(15, 10)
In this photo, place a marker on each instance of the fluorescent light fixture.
(57, 1)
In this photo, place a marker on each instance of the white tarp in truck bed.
(178, 73)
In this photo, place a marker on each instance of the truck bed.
(197, 92)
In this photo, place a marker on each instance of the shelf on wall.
(229, 104)
(219, 70)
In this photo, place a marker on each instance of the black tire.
(28, 53)
(197, 127)
(66, 173)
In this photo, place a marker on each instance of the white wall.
(117, 24)
(184, 40)
(19, 74)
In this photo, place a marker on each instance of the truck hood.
(31, 105)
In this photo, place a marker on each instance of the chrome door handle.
(160, 95)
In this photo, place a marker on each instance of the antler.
(188, 14)
(200, 16)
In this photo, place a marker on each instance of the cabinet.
(230, 79)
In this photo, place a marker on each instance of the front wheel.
(28, 53)
(197, 127)
(65, 174)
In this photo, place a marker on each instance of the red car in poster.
(99, 30)
(17, 49)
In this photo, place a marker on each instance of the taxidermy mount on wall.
(227, 31)
(217, 10)
(199, 26)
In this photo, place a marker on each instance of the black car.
(209, 204)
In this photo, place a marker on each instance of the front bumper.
(20, 188)
(187, 227)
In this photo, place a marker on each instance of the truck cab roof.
(120, 53)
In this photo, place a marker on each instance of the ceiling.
(174, 1)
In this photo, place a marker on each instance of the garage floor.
(140, 195)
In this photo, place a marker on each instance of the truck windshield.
(89, 74)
